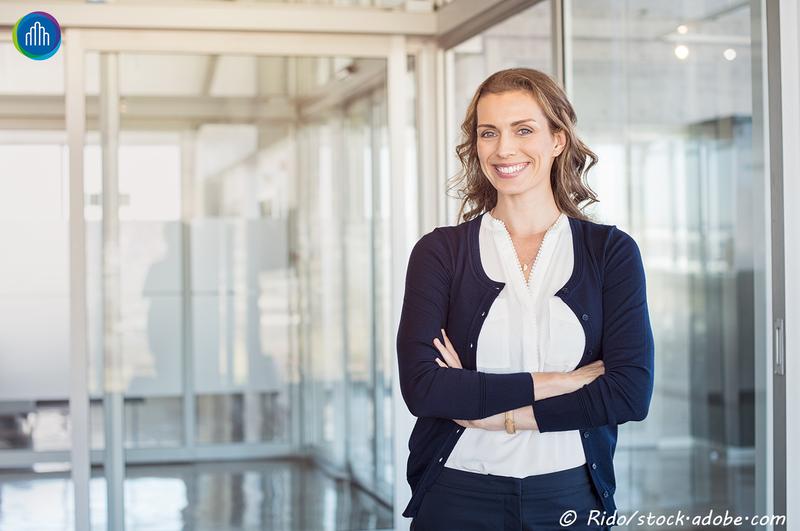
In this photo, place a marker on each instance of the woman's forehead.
(509, 107)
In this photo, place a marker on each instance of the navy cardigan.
(446, 287)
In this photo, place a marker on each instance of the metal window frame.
(781, 50)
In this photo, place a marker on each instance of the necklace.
(524, 266)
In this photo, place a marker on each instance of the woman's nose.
(506, 147)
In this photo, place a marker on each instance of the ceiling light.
(681, 51)
(682, 29)
(729, 54)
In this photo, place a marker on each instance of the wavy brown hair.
(570, 167)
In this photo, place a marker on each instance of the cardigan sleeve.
(623, 393)
(428, 389)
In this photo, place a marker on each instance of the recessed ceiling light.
(729, 54)
(681, 51)
(682, 29)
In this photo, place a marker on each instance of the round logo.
(37, 35)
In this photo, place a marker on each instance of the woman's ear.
(561, 141)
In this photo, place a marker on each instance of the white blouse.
(528, 329)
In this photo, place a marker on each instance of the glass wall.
(345, 255)
(238, 310)
(662, 91)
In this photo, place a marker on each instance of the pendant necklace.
(524, 267)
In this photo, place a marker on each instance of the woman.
(524, 338)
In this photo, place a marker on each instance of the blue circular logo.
(37, 35)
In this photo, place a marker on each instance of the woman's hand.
(549, 384)
(451, 359)
(586, 374)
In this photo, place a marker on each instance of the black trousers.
(467, 501)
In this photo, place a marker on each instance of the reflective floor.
(275, 495)
(294, 495)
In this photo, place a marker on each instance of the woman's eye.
(525, 131)
(486, 134)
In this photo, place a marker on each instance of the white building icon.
(37, 35)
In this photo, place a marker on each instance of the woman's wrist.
(524, 419)
(548, 384)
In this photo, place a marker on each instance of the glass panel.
(322, 252)
(358, 238)
(150, 287)
(385, 332)
(241, 332)
(663, 96)
(350, 355)
(34, 291)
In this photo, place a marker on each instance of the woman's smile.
(509, 171)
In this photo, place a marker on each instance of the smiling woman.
(522, 108)
(546, 346)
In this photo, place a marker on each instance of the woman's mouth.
(509, 171)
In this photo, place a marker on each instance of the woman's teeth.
(511, 171)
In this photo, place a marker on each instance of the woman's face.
(515, 146)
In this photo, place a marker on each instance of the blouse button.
(585, 317)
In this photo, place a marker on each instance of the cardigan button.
(605, 494)
(590, 352)
(483, 313)
(470, 345)
(585, 317)
(594, 466)
(565, 291)
(440, 459)
(586, 435)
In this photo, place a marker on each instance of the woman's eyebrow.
(512, 123)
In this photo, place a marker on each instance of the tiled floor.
(285, 495)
